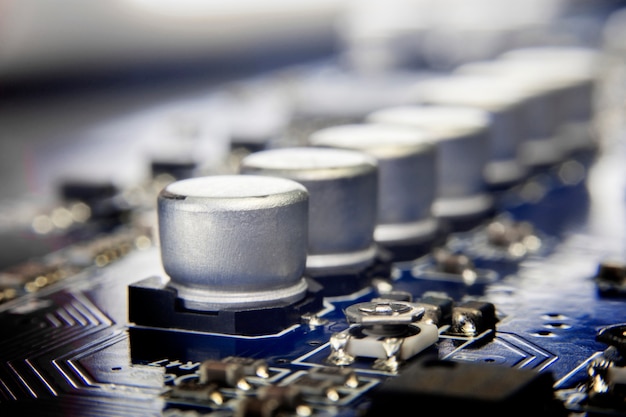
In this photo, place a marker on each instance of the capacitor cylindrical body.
(550, 89)
(461, 135)
(505, 104)
(343, 196)
(406, 176)
(233, 241)
(574, 71)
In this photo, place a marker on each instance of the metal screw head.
(384, 312)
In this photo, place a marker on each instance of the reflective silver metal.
(506, 106)
(462, 136)
(234, 240)
(343, 198)
(407, 176)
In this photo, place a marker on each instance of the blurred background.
(105, 90)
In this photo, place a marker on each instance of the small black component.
(338, 376)
(271, 401)
(504, 232)
(192, 390)
(610, 278)
(102, 197)
(221, 373)
(248, 145)
(471, 318)
(251, 366)
(606, 379)
(615, 336)
(452, 263)
(463, 388)
(153, 304)
(178, 169)
(87, 191)
(438, 308)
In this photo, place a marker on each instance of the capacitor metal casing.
(407, 160)
(462, 137)
(343, 198)
(505, 104)
(232, 241)
(574, 72)
(554, 93)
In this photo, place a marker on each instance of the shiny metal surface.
(558, 91)
(407, 175)
(506, 106)
(343, 193)
(462, 136)
(229, 240)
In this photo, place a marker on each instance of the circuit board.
(522, 310)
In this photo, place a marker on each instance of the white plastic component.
(372, 346)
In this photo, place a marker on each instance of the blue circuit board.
(544, 301)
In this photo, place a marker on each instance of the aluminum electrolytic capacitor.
(575, 71)
(462, 136)
(230, 241)
(343, 193)
(546, 89)
(504, 167)
(406, 181)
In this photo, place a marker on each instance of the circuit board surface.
(539, 298)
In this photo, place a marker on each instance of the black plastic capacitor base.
(151, 303)
(409, 251)
(348, 281)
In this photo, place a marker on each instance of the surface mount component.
(407, 181)
(343, 192)
(388, 330)
(229, 243)
(466, 388)
(606, 374)
(610, 278)
(463, 140)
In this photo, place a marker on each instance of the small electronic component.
(192, 390)
(437, 308)
(224, 374)
(606, 374)
(610, 278)
(407, 169)
(390, 331)
(103, 199)
(251, 366)
(464, 388)
(273, 401)
(472, 318)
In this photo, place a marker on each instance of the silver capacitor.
(407, 176)
(462, 136)
(575, 72)
(230, 241)
(544, 90)
(343, 193)
(506, 105)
